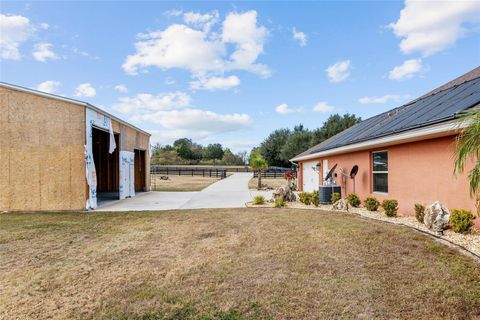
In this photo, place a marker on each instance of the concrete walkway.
(231, 192)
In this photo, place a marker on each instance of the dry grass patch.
(228, 264)
(181, 183)
(270, 183)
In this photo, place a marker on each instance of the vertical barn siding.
(41, 152)
(417, 172)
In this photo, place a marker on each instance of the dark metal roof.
(439, 106)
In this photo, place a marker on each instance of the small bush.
(353, 200)
(259, 200)
(305, 198)
(315, 198)
(461, 220)
(371, 204)
(335, 197)
(279, 202)
(390, 207)
(419, 212)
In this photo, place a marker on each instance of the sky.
(232, 72)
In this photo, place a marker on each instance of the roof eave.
(434, 131)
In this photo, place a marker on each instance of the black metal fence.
(272, 174)
(204, 172)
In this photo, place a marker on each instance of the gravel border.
(466, 243)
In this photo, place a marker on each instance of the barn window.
(380, 171)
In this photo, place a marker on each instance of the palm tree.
(468, 148)
(258, 164)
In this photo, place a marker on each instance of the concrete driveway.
(231, 192)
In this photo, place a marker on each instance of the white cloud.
(215, 83)
(198, 121)
(285, 109)
(15, 31)
(49, 86)
(241, 29)
(146, 103)
(121, 88)
(433, 26)
(339, 71)
(407, 70)
(44, 26)
(204, 53)
(323, 107)
(203, 21)
(85, 90)
(299, 36)
(383, 99)
(42, 52)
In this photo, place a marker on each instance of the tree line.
(185, 151)
(284, 144)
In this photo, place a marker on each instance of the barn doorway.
(139, 170)
(106, 166)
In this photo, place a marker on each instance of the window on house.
(380, 171)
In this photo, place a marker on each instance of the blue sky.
(232, 72)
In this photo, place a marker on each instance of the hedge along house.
(58, 153)
(405, 154)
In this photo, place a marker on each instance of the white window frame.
(373, 172)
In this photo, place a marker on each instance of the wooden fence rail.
(217, 173)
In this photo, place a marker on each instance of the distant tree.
(243, 156)
(184, 152)
(334, 125)
(214, 152)
(468, 148)
(299, 141)
(271, 147)
(183, 141)
(258, 164)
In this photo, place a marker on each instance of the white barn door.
(310, 176)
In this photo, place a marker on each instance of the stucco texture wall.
(42, 164)
(418, 172)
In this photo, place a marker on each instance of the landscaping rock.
(341, 205)
(286, 193)
(436, 217)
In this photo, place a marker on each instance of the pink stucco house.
(405, 154)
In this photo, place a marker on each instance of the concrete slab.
(150, 201)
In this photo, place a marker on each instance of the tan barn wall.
(42, 164)
(418, 172)
(131, 139)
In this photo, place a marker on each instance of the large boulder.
(341, 205)
(287, 194)
(436, 217)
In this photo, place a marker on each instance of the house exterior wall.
(42, 164)
(418, 172)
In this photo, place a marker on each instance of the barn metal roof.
(434, 108)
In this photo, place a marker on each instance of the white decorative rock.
(436, 217)
(341, 205)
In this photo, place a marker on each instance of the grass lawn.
(228, 264)
(181, 183)
(272, 183)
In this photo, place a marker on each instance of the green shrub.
(305, 198)
(390, 207)
(259, 200)
(419, 212)
(279, 202)
(371, 204)
(353, 200)
(335, 197)
(461, 220)
(315, 198)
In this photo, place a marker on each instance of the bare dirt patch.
(181, 183)
(228, 264)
